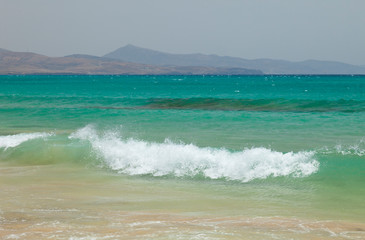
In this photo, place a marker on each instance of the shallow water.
(66, 202)
(251, 157)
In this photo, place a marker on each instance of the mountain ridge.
(136, 54)
(31, 63)
(133, 60)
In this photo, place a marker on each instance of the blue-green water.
(284, 113)
(288, 142)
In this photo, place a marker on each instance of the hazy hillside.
(135, 54)
(32, 63)
(140, 61)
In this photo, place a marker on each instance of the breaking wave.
(11, 141)
(137, 157)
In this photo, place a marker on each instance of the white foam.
(10, 141)
(355, 149)
(136, 157)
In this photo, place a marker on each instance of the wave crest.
(10, 141)
(136, 157)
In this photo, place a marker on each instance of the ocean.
(182, 157)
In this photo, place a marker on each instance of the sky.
(292, 30)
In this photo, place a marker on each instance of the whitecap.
(138, 157)
(11, 141)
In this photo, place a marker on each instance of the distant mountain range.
(32, 63)
(135, 54)
(132, 60)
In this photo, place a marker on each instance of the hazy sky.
(281, 29)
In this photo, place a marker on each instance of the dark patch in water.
(110, 107)
(273, 105)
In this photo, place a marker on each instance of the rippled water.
(206, 157)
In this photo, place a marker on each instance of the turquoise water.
(291, 142)
(286, 113)
(321, 114)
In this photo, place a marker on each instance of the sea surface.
(182, 157)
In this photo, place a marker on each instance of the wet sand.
(69, 202)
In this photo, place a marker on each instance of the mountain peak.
(130, 46)
(132, 53)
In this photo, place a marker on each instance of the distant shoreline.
(131, 60)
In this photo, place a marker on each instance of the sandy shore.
(66, 202)
(73, 224)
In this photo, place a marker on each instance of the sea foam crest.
(137, 157)
(10, 141)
